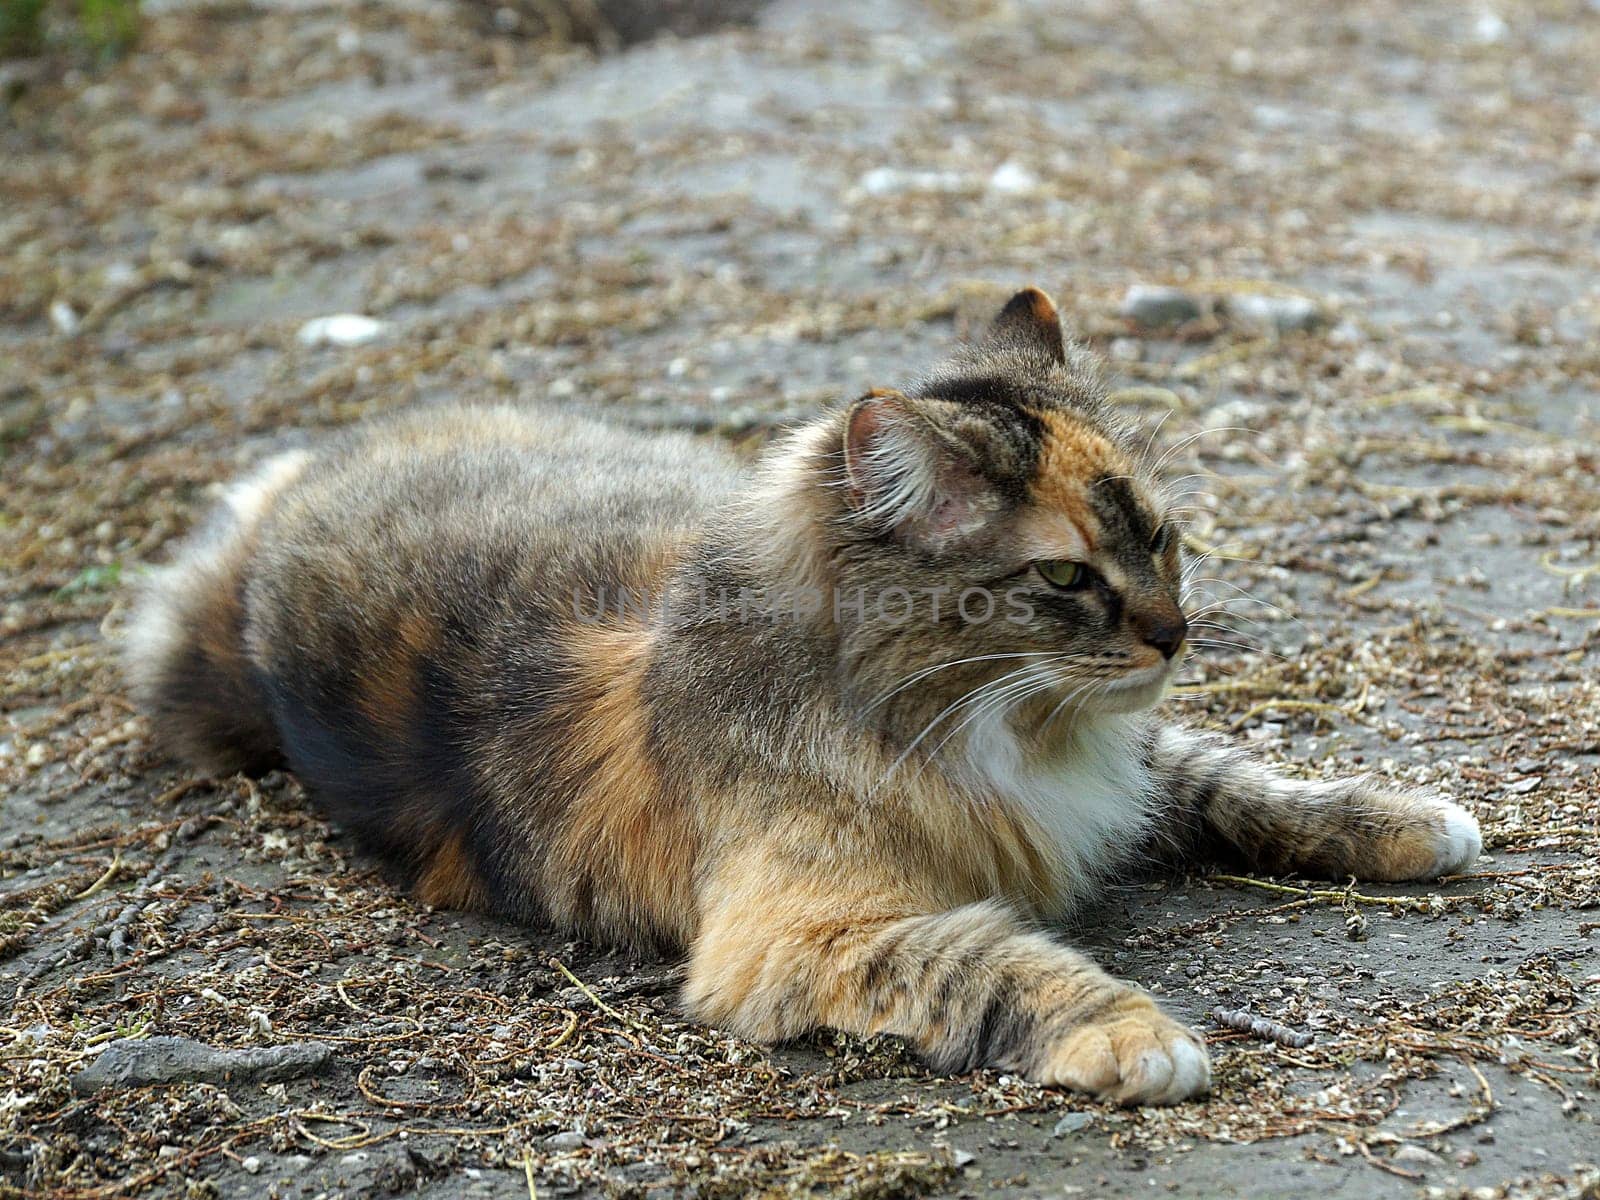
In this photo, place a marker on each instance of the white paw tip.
(1459, 841)
(1152, 1065)
(1191, 1071)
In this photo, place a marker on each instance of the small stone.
(1286, 314)
(1345, 333)
(166, 103)
(887, 181)
(1158, 307)
(1013, 179)
(1489, 28)
(1369, 362)
(1416, 1156)
(63, 317)
(571, 1139)
(962, 1157)
(252, 1165)
(880, 181)
(1072, 1123)
(138, 1062)
(341, 329)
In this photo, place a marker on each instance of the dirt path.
(720, 233)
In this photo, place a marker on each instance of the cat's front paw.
(1457, 840)
(1134, 1054)
(1429, 837)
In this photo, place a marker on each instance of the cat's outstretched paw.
(1135, 1054)
(1457, 840)
(1426, 836)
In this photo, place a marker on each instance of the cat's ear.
(909, 475)
(1029, 321)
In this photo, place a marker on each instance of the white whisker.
(1194, 437)
(1204, 643)
(926, 671)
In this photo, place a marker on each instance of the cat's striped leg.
(1360, 826)
(782, 952)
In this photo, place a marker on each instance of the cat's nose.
(1163, 630)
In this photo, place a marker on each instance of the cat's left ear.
(911, 468)
(1030, 322)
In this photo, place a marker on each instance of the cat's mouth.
(1139, 688)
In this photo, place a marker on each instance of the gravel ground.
(1382, 219)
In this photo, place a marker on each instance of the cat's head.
(1003, 486)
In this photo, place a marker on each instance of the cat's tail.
(183, 650)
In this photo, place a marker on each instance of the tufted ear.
(911, 474)
(1029, 321)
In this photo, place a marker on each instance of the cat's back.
(479, 505)
(476, 472)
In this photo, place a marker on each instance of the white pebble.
(341, 329)
(1012, 179)
(1490, 28)
(63, 317)
(885, 181)
(1283, 313)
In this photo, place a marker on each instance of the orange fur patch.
(388, 692)
(1042, 533)
(1071, 457)
(628, 844)
(1043, 308)
(450, 880)
(217, 629)
(950, 847)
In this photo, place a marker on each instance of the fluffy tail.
(183, 650)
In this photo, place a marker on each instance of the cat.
(851, 728)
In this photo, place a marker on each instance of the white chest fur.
(1089, 797)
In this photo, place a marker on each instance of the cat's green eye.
(1162, 539)
(1062, 574)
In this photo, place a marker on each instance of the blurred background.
(1358, 239)
(1341, 258)
(725, 212)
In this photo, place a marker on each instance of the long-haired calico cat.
(851, 729)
